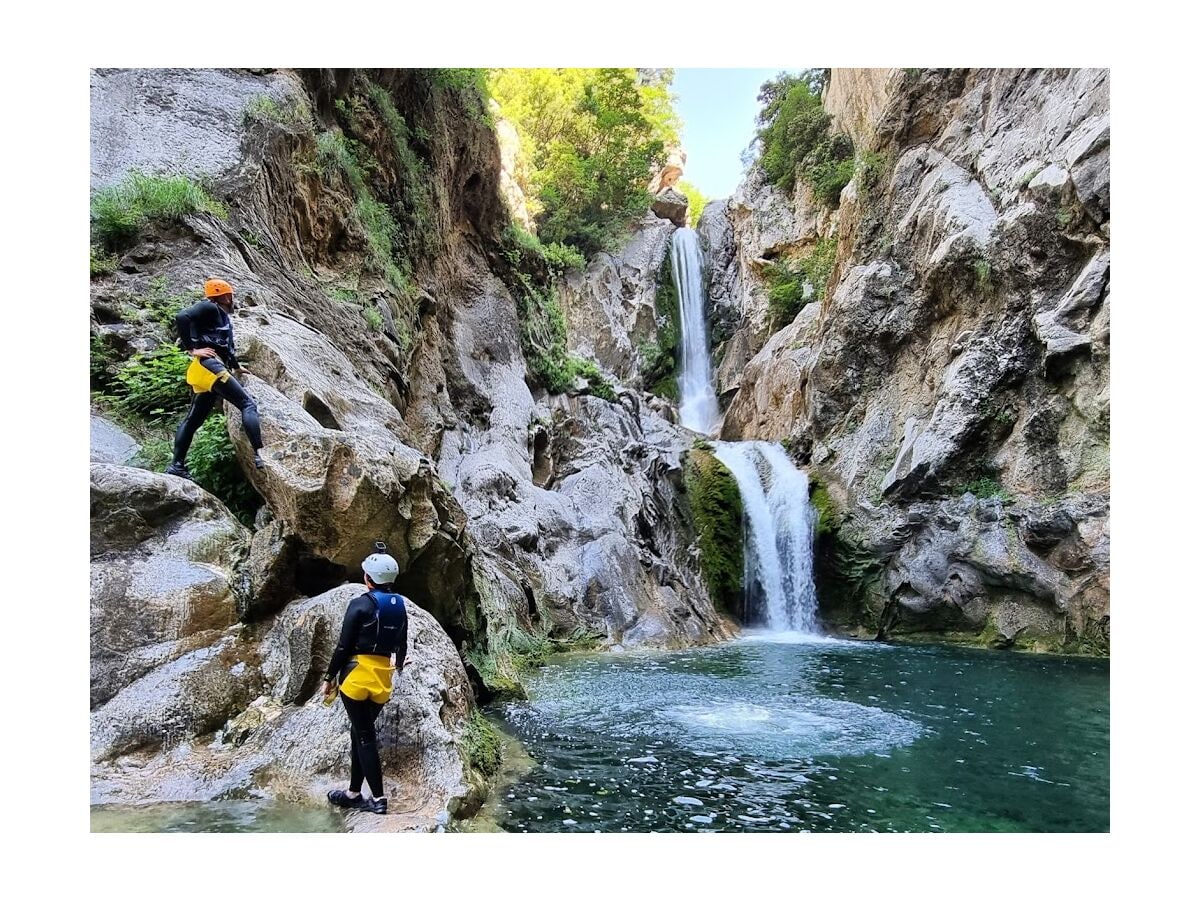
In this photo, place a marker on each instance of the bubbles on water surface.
(756, 734)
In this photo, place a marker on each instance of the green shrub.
(159, 305)
(213, 463)
(151, 387)
(716, 507)
(120, 211)
(589, 138)
(562, 259)
(795, 140)
(558, 258)
(342, 294)
(792, 284)
(102, 263)
(373, 318)
(103, 363)
(696, 201)
(870, 167)
(598, 385)
(334, 159)
(987, 489)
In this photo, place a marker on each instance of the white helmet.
(380, 567)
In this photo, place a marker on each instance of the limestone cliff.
(361, 222)
(951, 389)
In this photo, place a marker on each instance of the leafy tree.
(591, 139)
(696, 201)
(795, 139)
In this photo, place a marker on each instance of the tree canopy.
(590, 142)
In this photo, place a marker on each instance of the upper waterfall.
(697, 400)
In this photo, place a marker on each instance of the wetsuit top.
(376, 623)
(205, 324)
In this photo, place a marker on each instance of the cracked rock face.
(572, 502)
(963, 340)
(609, 307)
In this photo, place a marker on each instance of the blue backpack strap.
(390, 608)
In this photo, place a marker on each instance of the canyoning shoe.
(344, 800)
(180, 471)
(258, 461)
(375, 805)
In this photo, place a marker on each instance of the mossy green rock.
(716, 508)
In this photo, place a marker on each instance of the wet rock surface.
(109, 444)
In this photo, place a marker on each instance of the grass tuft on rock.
(119, 212)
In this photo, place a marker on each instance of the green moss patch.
(848, 575)
(794, 283)
(481, 744)
(716, 507)
(660, 356)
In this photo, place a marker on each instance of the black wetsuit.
(375, 626)
(205, 324)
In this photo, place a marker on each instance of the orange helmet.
(215, 287)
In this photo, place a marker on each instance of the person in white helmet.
(372, 646)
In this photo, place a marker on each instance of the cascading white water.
(780, 524)
(697, 399)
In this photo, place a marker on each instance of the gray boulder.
(670, 204)
(110, 444)
(163, 557)
(609, 307)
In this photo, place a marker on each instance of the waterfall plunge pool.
(800, 733)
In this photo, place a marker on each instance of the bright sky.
(718, 107)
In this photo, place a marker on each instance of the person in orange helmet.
(206, 332)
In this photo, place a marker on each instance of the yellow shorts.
(370, 677)
(203, 374)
